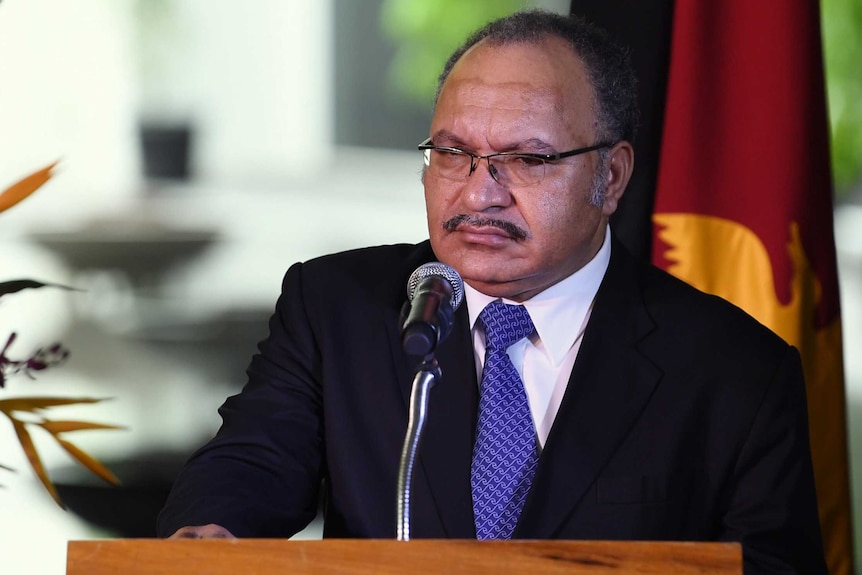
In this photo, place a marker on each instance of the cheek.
(561, 218)
(432, 208)
(553, 213)
(435, 213)
(438, 200)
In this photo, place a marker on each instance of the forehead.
(543, 85)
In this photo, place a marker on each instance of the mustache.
(511, 229)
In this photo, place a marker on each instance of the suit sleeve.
(772, 509)
(260, 475)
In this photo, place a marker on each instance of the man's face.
(515, 242)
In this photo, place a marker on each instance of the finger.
(211, 531)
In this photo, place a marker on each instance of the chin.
(490, 277)
(481, 265)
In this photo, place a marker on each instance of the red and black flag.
(737, 190)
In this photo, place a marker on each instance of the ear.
(621, 162)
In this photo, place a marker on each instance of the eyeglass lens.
(506, 169)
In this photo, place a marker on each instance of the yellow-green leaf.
(35, 461)
(89, 462)
(55, 427)
(23, 188)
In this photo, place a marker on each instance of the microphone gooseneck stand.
(427, 374)
(434, 292)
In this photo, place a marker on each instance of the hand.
(211, 531)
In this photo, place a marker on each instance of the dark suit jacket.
(684, 419)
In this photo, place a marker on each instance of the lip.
(486, 235)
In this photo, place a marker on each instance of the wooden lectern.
(382, 557)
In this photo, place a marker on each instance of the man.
(648, 410)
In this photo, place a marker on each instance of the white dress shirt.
(560, 315)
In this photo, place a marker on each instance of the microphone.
(434, 292)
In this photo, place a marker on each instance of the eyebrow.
(447, 138)
(534, 145)
(537, 145)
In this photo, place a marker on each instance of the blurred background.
(204, 146)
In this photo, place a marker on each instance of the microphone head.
(439, 269)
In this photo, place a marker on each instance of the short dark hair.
(607, 63)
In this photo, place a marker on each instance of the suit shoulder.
(702, 315)
(378, 272)
(371, 258)
(370, 262)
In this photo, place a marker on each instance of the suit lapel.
(610, 384)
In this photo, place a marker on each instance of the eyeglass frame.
(427, 147)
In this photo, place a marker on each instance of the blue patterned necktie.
(505, 454)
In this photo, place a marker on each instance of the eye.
(449, 159)
(521, 163)
(451, 153)
(526, 162)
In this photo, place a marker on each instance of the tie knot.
(504, 324)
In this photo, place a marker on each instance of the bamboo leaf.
(13, 286)
(23, 188)
(89, 462)
(55, 427)
(31, 404)
(35, 462)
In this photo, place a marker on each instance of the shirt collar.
(558, 308)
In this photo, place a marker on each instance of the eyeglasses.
(507, 168)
